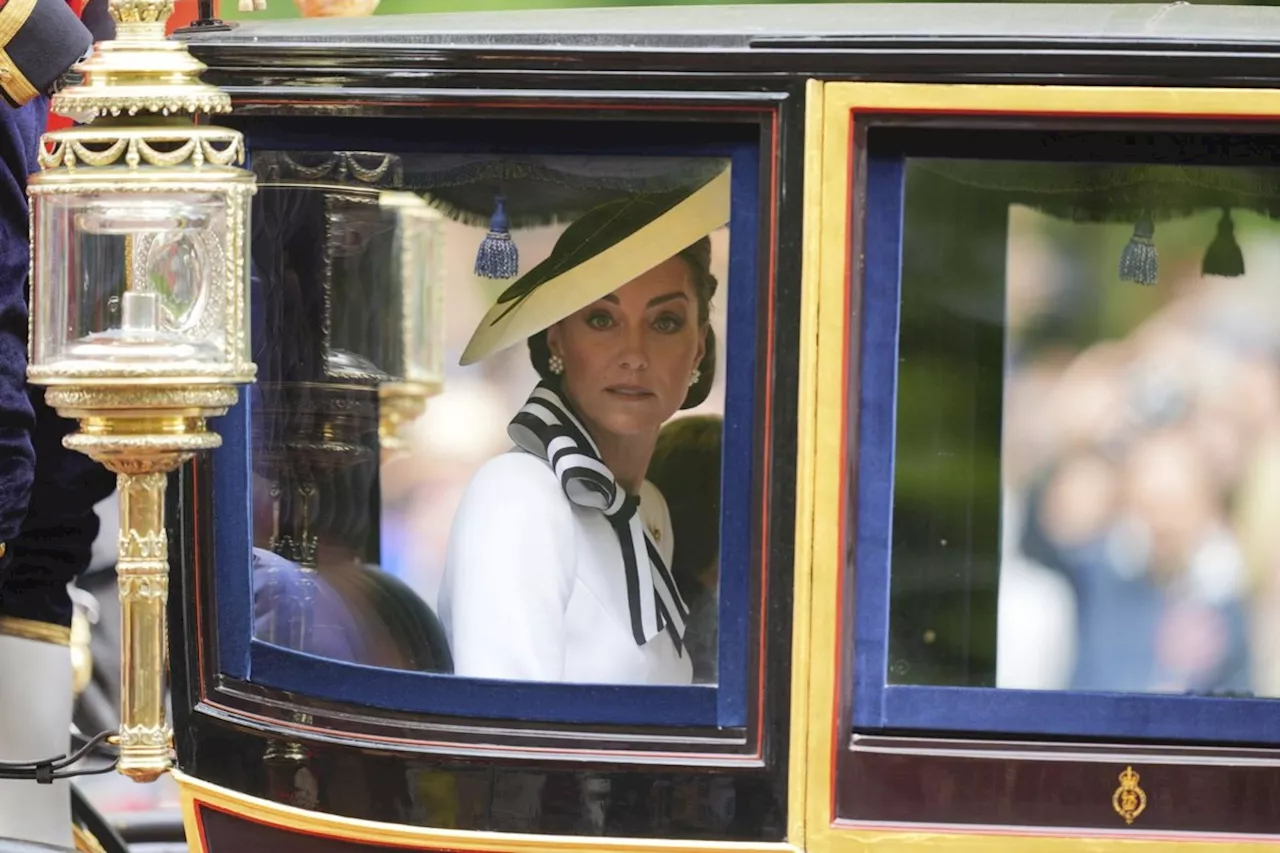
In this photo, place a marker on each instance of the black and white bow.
(547, 428)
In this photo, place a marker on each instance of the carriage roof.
(743, 27)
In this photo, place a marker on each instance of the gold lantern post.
(139, 317)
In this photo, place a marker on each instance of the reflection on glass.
(138, 271)
(177, 265)
(1088, 456)
(438, 545)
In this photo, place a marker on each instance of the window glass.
(1087, 474)
(486, 430)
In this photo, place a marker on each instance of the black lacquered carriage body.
(993, 276)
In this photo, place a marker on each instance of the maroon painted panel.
(1033, 788)
(229, 833)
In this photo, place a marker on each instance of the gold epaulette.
(13, 14)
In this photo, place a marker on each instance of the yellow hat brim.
(686, 223)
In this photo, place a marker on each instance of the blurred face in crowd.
(1168, 488)
(1080, 500)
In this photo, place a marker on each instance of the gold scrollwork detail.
(141, 454)
(166, 149)
(189, 397)
(139, 150)
(310, 172)
(194, 373)
(1129, 800)
(163, 459)
(302, 549)
(154, 483)
(140, 11)
(69, 152)
(152, 545)
(373, 168)
(144, 587)
(152, 736)
(164, 103)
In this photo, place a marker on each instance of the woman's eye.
(668, 323)
(599, 320)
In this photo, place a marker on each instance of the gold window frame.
(829, 331)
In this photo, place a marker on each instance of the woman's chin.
(631, 417)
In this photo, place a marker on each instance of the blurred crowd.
(1141, 550)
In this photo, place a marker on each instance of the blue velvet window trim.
(725, 704)
(1061, 713)
(878, 706)
(429, 693)
(876, 423)
(233, 534)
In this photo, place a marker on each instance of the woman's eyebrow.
(676, 294)
(657, 300)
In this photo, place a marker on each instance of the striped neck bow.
(547, 428)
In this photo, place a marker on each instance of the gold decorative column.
(139, 309)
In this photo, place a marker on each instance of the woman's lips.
(630, 392)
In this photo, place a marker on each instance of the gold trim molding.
(32, 629)
(1121, 102)
(85, 841)
(811, 283)
(855, 839)
(195, 792)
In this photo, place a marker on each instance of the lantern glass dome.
(142, 278)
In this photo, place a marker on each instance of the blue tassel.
(498, 256)
(1139, 262)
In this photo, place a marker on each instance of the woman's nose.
(634, 355)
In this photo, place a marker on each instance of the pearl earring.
(555, 364)
(694, 377)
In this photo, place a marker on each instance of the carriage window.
(486, 433)
(1087, 463)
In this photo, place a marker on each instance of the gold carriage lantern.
(139, 318)
(418, 249)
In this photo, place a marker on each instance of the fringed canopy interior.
(1106, 192)
(537, 190)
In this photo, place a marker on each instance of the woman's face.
(628, 357)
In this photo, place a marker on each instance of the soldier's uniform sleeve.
(39, 41)
(19, 132)
(47, 493)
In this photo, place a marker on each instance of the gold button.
(3, 548)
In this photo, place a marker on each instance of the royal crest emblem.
(1129, 800)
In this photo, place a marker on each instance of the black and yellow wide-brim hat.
(601, 251)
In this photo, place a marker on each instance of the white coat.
(535, 589)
